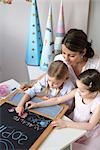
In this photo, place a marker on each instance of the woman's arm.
(80, 125)
(52, 101)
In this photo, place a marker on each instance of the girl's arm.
(24, 99)
(20, 108)
(52, 101)
(80, 125)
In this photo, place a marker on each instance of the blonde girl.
(55, 83)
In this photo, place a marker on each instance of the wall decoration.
(34, 46)
(60, 31)
(48, 44)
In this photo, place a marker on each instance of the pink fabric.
(90, 145)
(77, 146)
(91, 141)
(4, 90)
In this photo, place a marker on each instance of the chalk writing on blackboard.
(31, 120)
(20, 132)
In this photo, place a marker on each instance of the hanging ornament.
(34, 47)
(60, 31)
(47, 55)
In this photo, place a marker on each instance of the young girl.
(86, 114)
(55, 83)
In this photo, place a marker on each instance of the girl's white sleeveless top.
(83, 112)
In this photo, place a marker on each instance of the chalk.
(13, 89)
(26, 108)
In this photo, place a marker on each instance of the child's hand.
(59, 123)
(19, 110)
(30, 105)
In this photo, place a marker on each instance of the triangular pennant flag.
(34, 47)
(47, 55)
(60, 31)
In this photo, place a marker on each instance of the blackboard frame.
(64, 106)
(43, 136)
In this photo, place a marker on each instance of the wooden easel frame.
(65, 107)
(43, 136)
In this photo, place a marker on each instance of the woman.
(77, 53)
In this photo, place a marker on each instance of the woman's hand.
(19, 110)
(30, 105)
(60, 123)
(25, 87)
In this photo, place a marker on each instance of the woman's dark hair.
(76, 41)
(91, 78)
(58, 70)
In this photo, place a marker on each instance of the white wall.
(14, 24)
(1, 49)
(94, 25)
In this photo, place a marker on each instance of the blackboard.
(18, 133)
(23, 133)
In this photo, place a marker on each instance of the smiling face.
(72, 58)
(83, 89)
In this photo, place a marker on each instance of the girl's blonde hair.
(58, 70)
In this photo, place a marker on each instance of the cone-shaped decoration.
(34, 47)
(47, 55)
(60, 31)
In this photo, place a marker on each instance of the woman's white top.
(83, 112)
(40, 89)
(92, 63)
